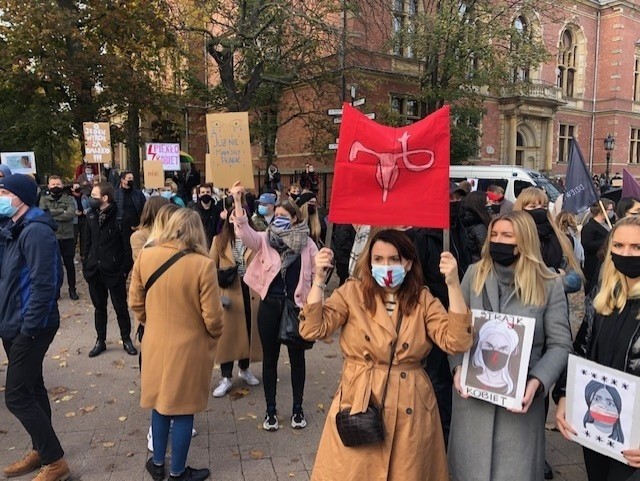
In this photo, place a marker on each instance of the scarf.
(288, 242)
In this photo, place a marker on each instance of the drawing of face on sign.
(497, 343)
(604, 405)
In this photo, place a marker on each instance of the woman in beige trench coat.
(240, 340)
(367, 310)
(182, 316)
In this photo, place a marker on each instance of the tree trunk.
(133, 144)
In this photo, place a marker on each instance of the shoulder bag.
(368, 427)
(289, 332)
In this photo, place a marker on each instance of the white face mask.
(194, 197)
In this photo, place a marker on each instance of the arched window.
(521, 34)
(567, 53)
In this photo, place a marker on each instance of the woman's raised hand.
(449, 268)
(324, 263)
(236, 191)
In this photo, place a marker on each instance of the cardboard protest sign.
(495, 368)
(603, 407)
(19, 162)
(229, 157)
(153, 174)
(396, 171)
(97, 142)
(168, 154)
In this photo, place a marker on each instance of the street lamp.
(609, 145)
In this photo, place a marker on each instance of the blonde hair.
(567, 222)
(532, 195)
(160, 221)
(170, 183)
(185, 229)
(614, 290)
(531, 274)
(313, 221)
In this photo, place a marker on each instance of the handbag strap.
(162, 269)
(393, 351)
(486, 303)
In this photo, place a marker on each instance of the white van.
(511, 178)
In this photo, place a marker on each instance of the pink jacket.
(266, 264)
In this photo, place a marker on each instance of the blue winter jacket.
(30, 276)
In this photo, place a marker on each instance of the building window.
(403, 13)
(566, 132)
(519, 148)
(636, 79)
(521, 33)
(409, 109)
(567, 53)
(634, 147)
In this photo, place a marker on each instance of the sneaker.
(270, 421)
(29, 463)
(150, 440)
(191, 474)
(223, 387)
(248, 377)
(297, 419)
(58, 471)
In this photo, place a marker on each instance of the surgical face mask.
(388, 276)
(167, 194)
(88, 173)
(503, 254)
(107, 166)
(7, 209)
(494, 360)
(627, 265)
(262, 210)
(194, 197)
(611, 214)
(281, 222)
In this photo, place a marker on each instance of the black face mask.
(130, 183)
(539, 215)
(294, 196)
(95, 203)
(494, 208)
(494, 360)
(627, 265)
(205, 199)
(311, 209)
(56, 191)
(502, 253)
(77, 190)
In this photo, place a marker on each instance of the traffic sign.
(337, 120)
(358, 102)
(371, 116)
(333, 146)
(335, 112)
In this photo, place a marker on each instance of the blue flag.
(580, 192)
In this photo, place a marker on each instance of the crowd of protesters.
(236, 265)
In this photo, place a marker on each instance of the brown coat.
(235, 342)
(138, 240)
(413, 449)
(182, 315)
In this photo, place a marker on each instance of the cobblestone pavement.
(103, 430)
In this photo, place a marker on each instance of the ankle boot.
(57, 471)
(98, 349)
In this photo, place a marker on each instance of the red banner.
(392, 175)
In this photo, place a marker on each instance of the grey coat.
(487, 442)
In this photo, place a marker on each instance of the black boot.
(73, 295)
(157, 472)
(129, 347)
(98, 349)
(191, 474)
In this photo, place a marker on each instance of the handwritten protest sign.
(168, 154)
(153, 174)
(229, 157)
(97, 142)
(19, 162)
(495, 368)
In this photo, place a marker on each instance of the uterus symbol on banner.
(387, 170)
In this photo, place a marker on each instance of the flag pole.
(445, 240)
(604, 213)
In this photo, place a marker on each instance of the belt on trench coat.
(362, 393)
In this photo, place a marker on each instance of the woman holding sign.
(610, 335)
(386, 315)
(488, 441)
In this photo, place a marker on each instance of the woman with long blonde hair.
(610, 335)
(510, 278)
(182, 315)
(159, 223)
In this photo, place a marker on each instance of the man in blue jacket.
(30, 280)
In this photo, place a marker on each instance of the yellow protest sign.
(153, 174)
(97, 142)
(229, 157)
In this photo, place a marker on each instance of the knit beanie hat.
(22, 186)
(5, 170)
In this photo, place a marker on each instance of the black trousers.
(226, 368)
(269, 314)
(603, 468)
(68, 252)
(79, 234)
(25, 394)
(99, 293)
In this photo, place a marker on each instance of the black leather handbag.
(289, 333)
(366, 428)
(227, 276)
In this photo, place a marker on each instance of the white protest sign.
(168, 154)
(97, 142)
(19, 162)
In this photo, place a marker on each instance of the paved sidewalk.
(103, 430)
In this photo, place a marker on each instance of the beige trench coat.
(182, 316)
(235, 342)
(413, 449)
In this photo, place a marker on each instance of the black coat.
(105, 248)
(210, 218)
(593, 236)
(476, 233)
